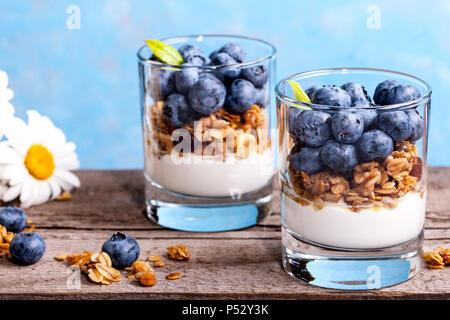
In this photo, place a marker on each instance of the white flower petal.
(12, 193)
(27, 189)
(56, 189)
(67, 176)
(67, 164)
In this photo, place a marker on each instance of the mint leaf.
(299, 94)
(165, 53)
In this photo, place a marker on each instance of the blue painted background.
(86, 80)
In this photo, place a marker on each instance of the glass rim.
(313, 106)
(271, 55)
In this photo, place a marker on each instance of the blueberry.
(394, 123)
(193, 55)
(13, 219)
(311, 91)
(185, 78)
(401, 93)
(167, 82)
(374, 144)
(122, 249)
(347, 126)
(368, 115)
(234, 50)
(207, 96)
(356, 91)
(27, 248)
(242, 96)
(417, 125)
(332, 96)
(261, 97)
(257, 75)
(292, 115)
(177, 110)
(312, 128)
(212, 75)
(305, 159)
(223, 59)
(213, 54)
(338, 156)
(382, 89)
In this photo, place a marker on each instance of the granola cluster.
(5, 239)
(141, 271)
(437, 258)
(179, 252)
(220, 133)
(373, 183)
(97, 266)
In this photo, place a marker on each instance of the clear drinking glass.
(214, 173)
(352, 213)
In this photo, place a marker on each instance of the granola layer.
(221, 133)
(374, 183)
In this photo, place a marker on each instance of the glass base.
(350, 270)
(200, 214)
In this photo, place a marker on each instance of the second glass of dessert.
(352, 158)
(206, 114)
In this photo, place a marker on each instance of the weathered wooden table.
(238, 264)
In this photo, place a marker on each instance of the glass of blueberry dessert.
(352, 162)
(207, 124)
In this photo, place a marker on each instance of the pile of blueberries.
(26, 247)
(192, 92)
(340, 139)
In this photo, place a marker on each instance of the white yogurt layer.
(339, 227)
(207, 177)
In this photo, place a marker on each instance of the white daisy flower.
(6, 94)
(36, 161)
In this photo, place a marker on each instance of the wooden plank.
(236, 264)
(219, 268)
(115, 199)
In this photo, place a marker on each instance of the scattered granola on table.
(141, 271)
(437, 258)
(179, 252)
(174, 276)
(97, 266)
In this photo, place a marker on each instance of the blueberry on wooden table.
(13, 219)
(27, 248)
(122, 249)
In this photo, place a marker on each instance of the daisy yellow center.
(39, 162)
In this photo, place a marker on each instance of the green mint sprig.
(165, 53)
(299, 94)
